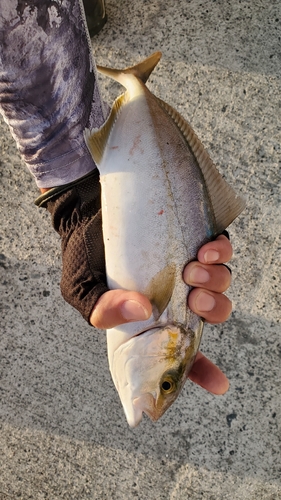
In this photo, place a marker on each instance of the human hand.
(207, 300)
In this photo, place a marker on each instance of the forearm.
(48, 88)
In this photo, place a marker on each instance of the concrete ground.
(63, 431)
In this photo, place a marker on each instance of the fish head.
(151, 368)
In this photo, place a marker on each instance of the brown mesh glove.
(76, 216)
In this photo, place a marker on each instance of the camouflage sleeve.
(48, 86)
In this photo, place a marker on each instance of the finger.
(120, 306)
(208, 375)
(214, 277)
(216, 252)
(213, 307)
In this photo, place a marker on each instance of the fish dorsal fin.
(141, 70)
(96, 139)
(227, 205)
(161, 286)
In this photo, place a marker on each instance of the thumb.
(120, 306)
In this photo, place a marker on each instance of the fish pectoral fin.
(160, 288)
(141, 70)
(226, 204)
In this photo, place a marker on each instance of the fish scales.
(159, 192)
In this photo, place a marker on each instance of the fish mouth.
(146, 403)
(142, 404)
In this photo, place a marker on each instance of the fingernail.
(199, 275)
(132, 310)
(205, 302)
(211, 256)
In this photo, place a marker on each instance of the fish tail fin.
(133, 79)
(141, 70)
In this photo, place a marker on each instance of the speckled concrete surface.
(63, 432)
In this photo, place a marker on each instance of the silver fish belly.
(162, 198)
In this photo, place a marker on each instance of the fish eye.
(167, 386)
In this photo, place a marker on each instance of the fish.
(162, 199)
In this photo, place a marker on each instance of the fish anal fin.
(96, 139)
(226, 204)
(161, 286)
